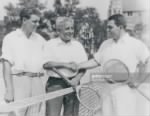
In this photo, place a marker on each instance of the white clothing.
(25, 54)
(130, 51)
(144, 108)
(2, 92)
(58, 51)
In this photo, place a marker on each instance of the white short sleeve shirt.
(25, 54)
(129, 50)
(58, 51)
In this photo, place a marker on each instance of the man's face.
(113, 31)
(32, 23)
(67, 31)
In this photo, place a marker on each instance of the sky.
(100, 5)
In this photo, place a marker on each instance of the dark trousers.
(69, 101)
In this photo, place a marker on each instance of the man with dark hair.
(119, 20)
(22, 54)
(121, 46)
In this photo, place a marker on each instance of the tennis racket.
(145, 78)
(65, 77)
(89, 98)
(66, 73)
(116, 71)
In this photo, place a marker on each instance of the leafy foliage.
(12, 20)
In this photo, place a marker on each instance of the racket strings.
(84, 112)
(89, 97)
(89, 101)
(117, 70)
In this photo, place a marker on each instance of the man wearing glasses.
(22, 61)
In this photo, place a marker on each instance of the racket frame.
(111, 80)
(78, 88)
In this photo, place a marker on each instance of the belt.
(60, 77)
(112, 82)
(29, 74)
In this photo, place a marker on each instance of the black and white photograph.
(74, 58)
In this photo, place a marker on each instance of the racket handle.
(143, 94)
(61, 75)
(15, 113)
(132, 85)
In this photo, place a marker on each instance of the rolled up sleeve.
(143, 53)
(7, 50)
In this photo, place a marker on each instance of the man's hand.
(9, 96)
(47, 65)
(132, 85)
(72, 66)
(74, 82)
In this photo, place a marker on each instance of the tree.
(12, 19)
(90, 16)
(31, 4)
(67, 9)
(13, 12)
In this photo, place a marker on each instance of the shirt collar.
(61, 42)
(123, 38)
(21, 33)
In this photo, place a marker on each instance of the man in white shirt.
(60, 53)
(131, 52)
(22, 54)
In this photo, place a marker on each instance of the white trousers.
(143, 105)
(25, 87)
(121, 101)
(2, 92)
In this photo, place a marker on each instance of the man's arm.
(50, 65)
(9, 94)
(75, 81)
(88, 64)
(144, 71)
(142, 75)
(82, 69)
(143, 54)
